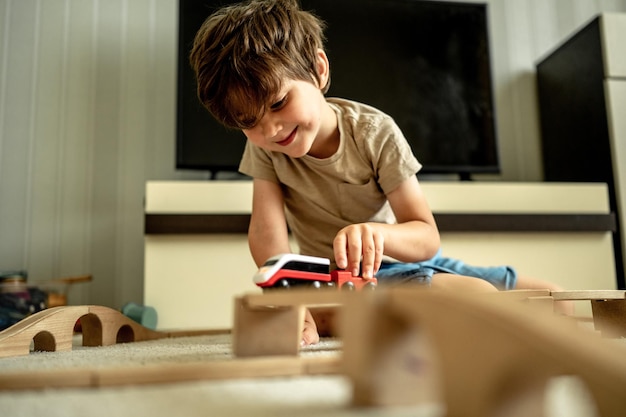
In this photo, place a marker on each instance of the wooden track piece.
(589, 295)
(266, 324)
(271, 323)
(609, 317)
(478, 355)
(52, 330)
(489, 355)
(290, 298)
(520, 295)
(608, 309)
(171, 373)
(608, 306)
(266, 331)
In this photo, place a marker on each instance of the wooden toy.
(484, 356)
(52, 330)
(271, 323)
(479, 355)
(261, 367)
(608, 308)
(609, 316)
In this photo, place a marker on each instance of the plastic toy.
(293, 270)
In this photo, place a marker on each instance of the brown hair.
(243, 52)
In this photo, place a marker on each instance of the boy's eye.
(280, 103)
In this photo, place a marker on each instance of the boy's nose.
(270, 127)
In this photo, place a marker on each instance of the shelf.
(160, 224)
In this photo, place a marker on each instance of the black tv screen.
(426, 63)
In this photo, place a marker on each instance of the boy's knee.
(481, 285)
(461, 283)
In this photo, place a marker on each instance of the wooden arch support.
(486, 355)
(52, 330)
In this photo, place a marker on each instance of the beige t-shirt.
(324, 195)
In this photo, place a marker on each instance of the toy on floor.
(17, 299)
(479, 356)
(292, 270)
(145, 315)
(53, 329)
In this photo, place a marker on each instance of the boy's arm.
(267, 236)
(267, 233)
(415, 238)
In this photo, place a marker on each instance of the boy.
(338, 173)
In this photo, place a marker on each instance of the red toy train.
(292, 270)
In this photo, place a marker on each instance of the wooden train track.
(476, 354)
(52, 330)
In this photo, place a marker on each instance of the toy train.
(293, 270)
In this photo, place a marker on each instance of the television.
(426, 63)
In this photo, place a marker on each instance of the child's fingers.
(372, 255)
(355, 249)
(369, 256)
(339, 249)
(347, 249)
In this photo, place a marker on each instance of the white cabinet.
(197, 257)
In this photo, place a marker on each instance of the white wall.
(87, 115)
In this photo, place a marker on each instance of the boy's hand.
(362, 244)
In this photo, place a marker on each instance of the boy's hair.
(243, 52)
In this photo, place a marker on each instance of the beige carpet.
(283, 396)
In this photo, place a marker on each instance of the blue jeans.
(390, 273)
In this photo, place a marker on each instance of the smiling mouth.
(288, 139)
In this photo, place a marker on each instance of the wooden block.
(218, 370)
(271, 323)
(609, 317)
(170, 373)
(197, 332)
(545, 304)
(289, 298)
(390, 362)
(260, 331)
(322, 365)
(491, 355)
(519, 294)
(588, 295)
(31, 380)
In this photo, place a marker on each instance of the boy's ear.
(323, 68)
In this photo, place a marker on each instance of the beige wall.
(87, 115)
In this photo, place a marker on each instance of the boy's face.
(292, 122)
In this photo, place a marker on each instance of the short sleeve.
(391, 155)
(257, 163)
